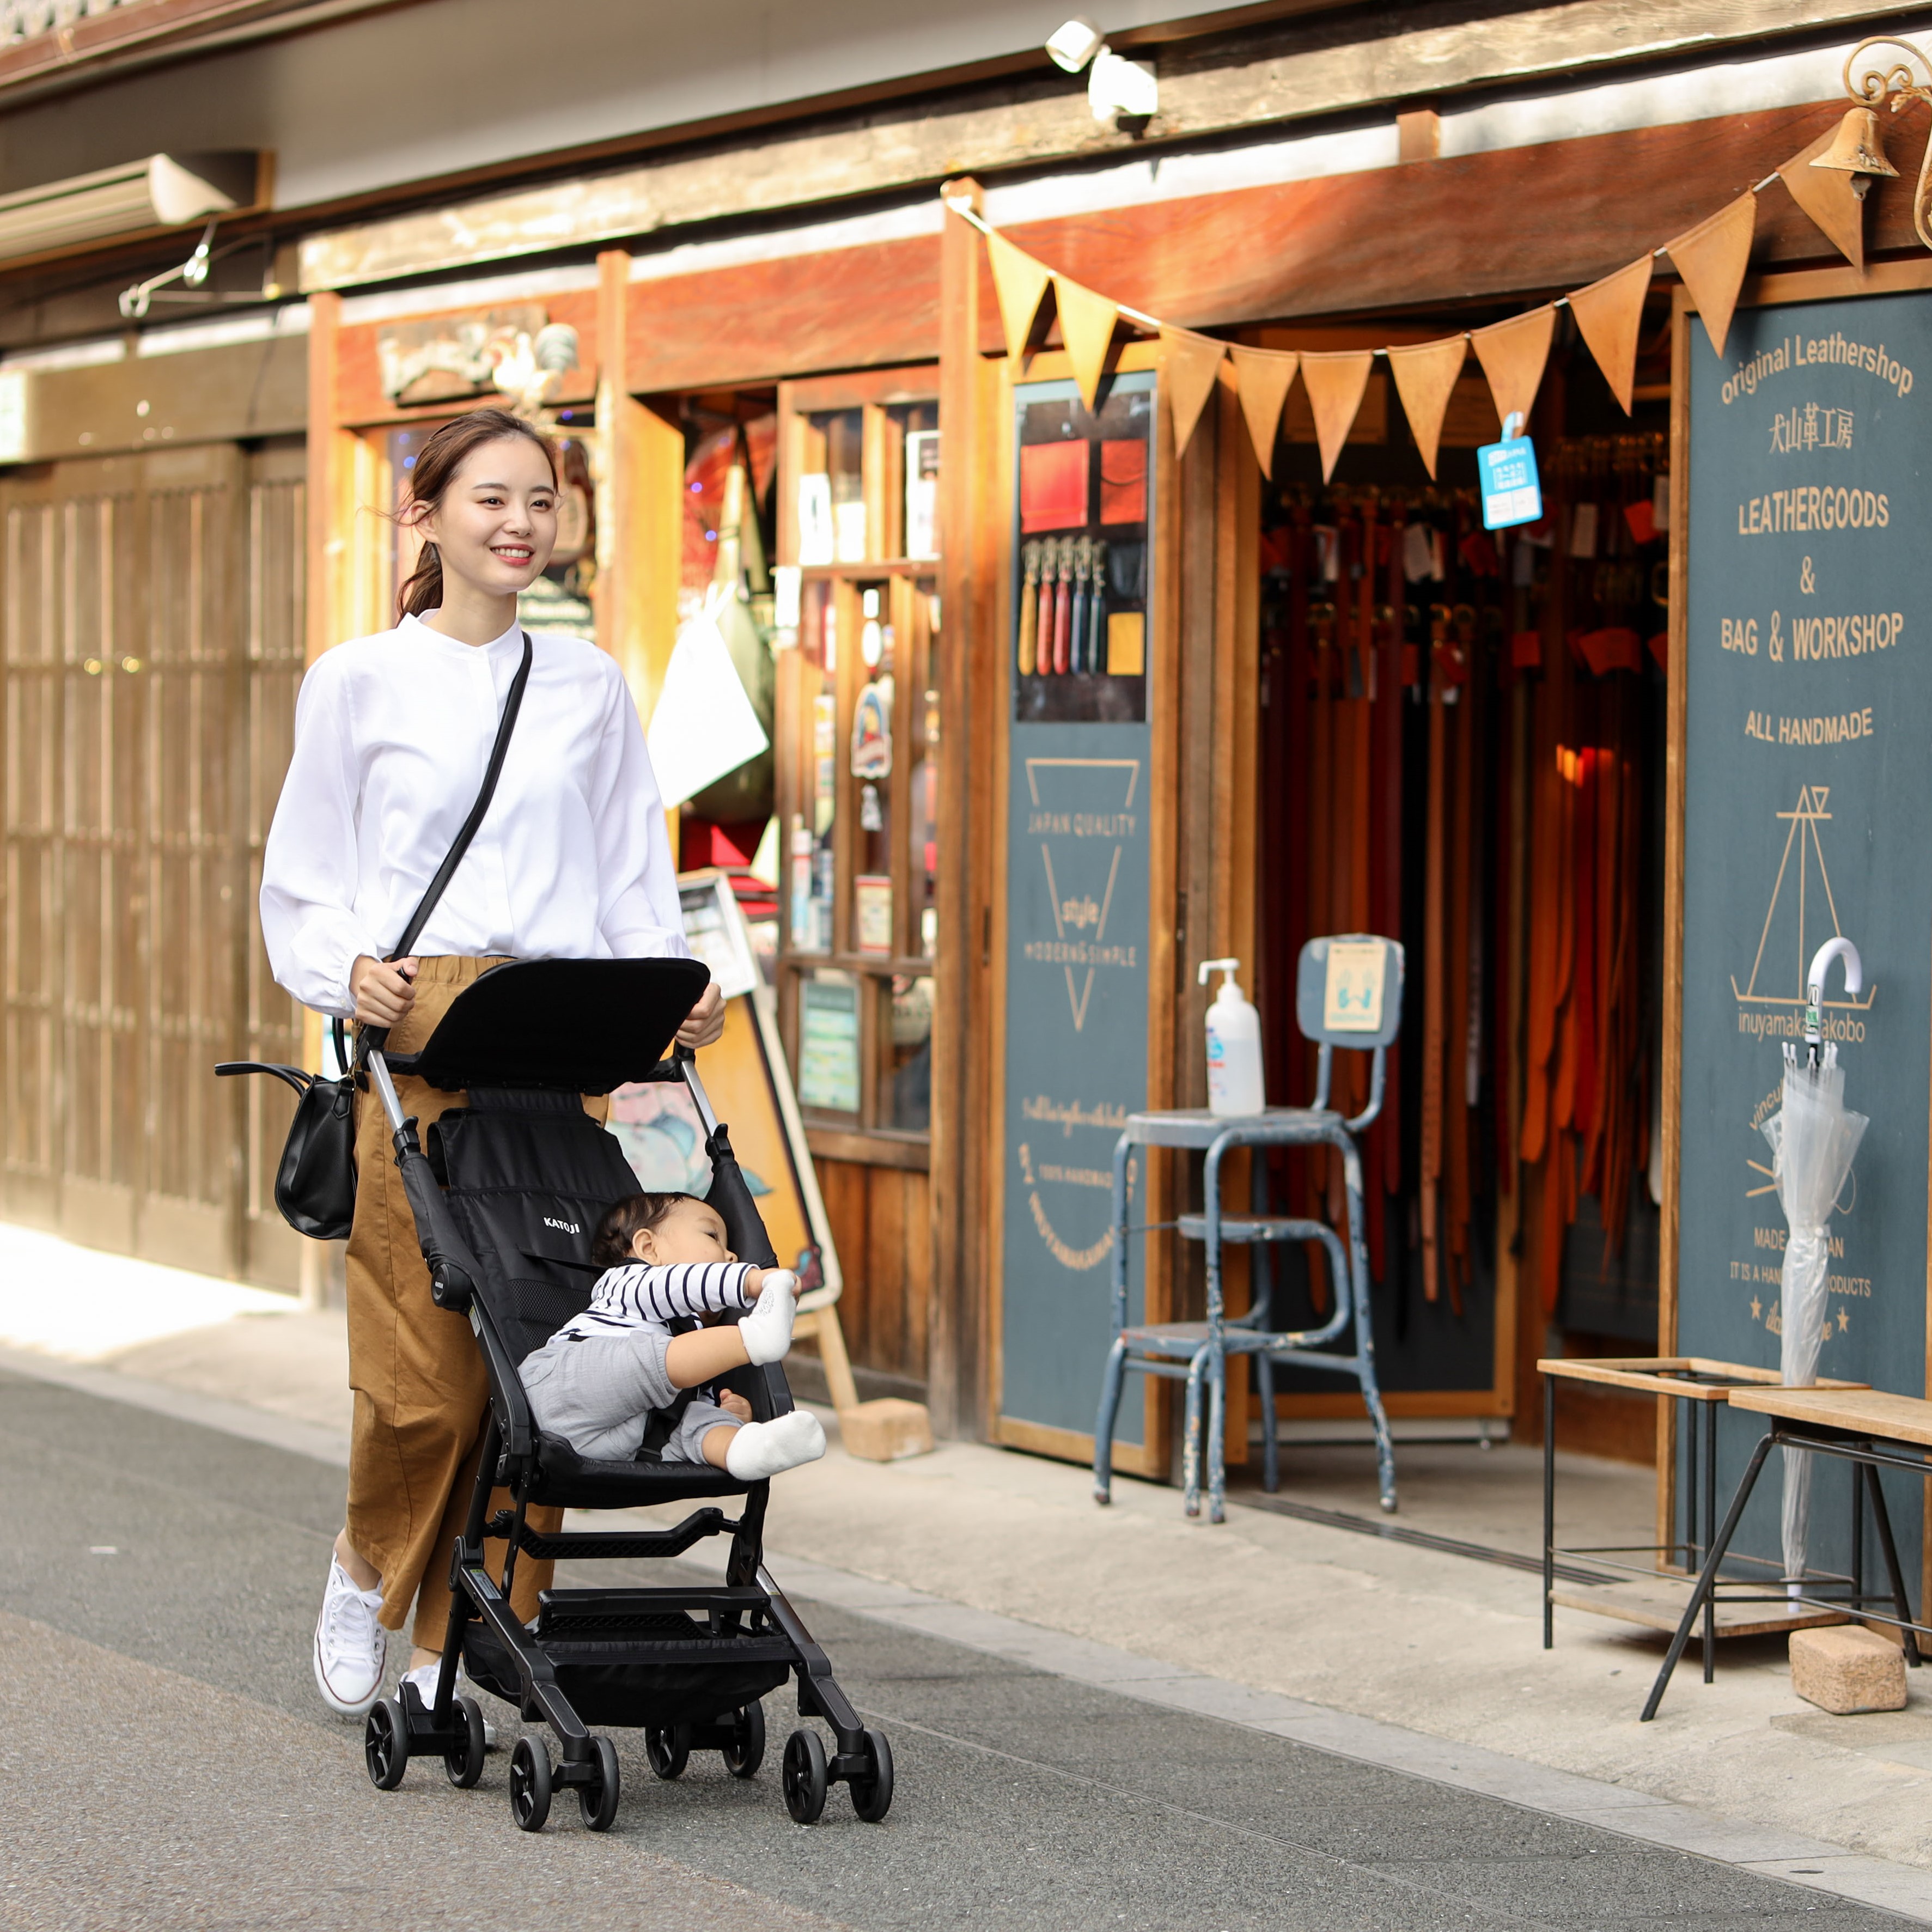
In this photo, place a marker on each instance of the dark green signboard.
(1807, 781)
(1077, 845)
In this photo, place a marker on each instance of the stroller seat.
(506, 1196)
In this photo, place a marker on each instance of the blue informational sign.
(1808, 709)
(1512, 491)
(1078, 913)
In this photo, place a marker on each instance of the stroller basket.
(505, 1198)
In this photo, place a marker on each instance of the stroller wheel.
(464, 1764)
(872, 1793)
(668, 1747)
(746, 1751)
(598, 1801)
(804, 1777)
(530, 1783)
(385, 1743)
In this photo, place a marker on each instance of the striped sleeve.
(693, 1289)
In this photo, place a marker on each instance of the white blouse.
(392, 736)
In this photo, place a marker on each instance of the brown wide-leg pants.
(418, 1377)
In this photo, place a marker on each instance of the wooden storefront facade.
(891, 896)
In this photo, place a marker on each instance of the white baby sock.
(762, 1449)
(767, 1329)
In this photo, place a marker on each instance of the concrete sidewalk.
(1432, 1642)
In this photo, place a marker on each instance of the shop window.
(859, 735)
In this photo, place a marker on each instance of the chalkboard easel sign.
(1802, 724)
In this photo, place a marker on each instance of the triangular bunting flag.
(1188, 363)
(1513, 354)
(1086, 327)
(1827, 195)
(1263, 376)
(1610, 314)
(1425, 378)
(1335, 380)
(1712, 258)
(1018, 282)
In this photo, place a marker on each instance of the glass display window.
(858, 732)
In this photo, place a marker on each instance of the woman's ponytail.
(422, 590)
(441, 457)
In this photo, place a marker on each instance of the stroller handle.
(386, 1090)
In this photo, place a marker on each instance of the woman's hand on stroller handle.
(382, 991)
(706, 1020)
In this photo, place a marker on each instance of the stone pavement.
(1412, 1658)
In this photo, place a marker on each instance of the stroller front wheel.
(385, 1743)
(746, 1751)
(530, 1783)
(872, 1791)
(804, 1777)
(464, 1763)
(598, 1801)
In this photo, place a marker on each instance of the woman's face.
(496, 525)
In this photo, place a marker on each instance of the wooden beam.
(1294, 72)
(242, 390)
(1574, 210)
(956, 1313)
(640, 526)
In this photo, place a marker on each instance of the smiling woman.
(569, 860)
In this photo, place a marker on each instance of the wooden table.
(1871, 1429)
(1688, 1379)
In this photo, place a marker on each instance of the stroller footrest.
(641, 1613)
(643, 1543)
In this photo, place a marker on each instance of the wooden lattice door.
(139, 664)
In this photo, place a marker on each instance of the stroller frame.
(613, 1639)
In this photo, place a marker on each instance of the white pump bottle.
(1235, 1086)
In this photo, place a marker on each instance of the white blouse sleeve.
(638, 913)
(309, 868)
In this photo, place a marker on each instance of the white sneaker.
(350, 1645)
(424, 1677)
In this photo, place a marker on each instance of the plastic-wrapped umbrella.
(1813, 1137)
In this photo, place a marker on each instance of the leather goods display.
(315, 1184)
(1426, 778)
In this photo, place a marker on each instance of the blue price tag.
(1512, 492)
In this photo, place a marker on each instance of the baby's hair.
(624, 1222)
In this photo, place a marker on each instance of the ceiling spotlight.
(1117, 90)
(1120, 90)
(1074, 44)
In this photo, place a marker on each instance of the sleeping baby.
(597, 1381)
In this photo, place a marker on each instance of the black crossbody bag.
(315, 1186)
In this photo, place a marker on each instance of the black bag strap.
(369, 1038)
(512, 704)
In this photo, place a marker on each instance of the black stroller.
(506, 1197)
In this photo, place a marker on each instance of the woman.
(392, 736)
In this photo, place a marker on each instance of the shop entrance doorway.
(151, 629)
(1462, 747)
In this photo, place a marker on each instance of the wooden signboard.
(1802, 669)
(1078, 837)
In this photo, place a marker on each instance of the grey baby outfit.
(597, 1380)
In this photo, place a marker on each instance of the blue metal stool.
(1197, 1351)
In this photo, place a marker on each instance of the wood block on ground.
(886, 1429)
(1847, 1669)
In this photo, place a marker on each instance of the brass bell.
(1857, 149)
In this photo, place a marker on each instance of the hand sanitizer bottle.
(1235, 1084)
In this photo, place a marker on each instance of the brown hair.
(610, 1247)
(436, 464)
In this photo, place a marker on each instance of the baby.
(596, 1381)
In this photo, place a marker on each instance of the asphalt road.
(164, 1762)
